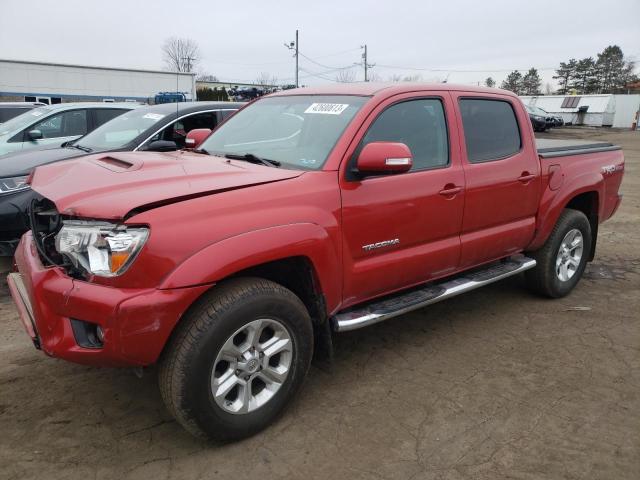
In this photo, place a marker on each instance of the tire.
(549, 277)
(243, 311)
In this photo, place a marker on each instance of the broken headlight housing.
(13, 184)
(100, 248)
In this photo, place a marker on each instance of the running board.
(401, 303)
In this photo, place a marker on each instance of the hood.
(22, 162)
(109, 186)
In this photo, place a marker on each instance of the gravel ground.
(494, 384)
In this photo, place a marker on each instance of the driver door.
(416, 215)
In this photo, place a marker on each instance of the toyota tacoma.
(309, 212)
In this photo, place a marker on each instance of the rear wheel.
(237, 359)
(562, 259)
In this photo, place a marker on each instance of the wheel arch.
(584, 194)
(588, 203)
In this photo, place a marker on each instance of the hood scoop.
(115, 164)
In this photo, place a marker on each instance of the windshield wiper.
(84, 149)
(250, 157)
(201, 151)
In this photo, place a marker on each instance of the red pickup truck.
(308, 212)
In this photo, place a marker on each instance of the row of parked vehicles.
(306, 213)
(541, 120)
(47, 134)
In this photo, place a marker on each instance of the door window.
(65, 124)
(177, 131)
(490, 129)
(419, 124)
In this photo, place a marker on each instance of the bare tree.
(374, 77)
(266, 78)
(548, 89)
(416, 77)
(180, 54)
(207, 77)
(346, 76)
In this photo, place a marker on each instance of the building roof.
(118, 69)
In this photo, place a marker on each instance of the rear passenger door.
(502, 175)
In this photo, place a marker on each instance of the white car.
(53, 125)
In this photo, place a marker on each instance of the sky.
(460, 41)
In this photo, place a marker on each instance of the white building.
(56, 83)
(619, 111)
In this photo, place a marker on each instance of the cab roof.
(371, 89)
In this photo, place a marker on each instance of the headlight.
(12, 185)
(100, 248)
(538, 117)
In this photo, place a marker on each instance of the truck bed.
(548, 148)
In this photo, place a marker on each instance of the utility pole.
(366, 65)
(188, 60)
(295, 47)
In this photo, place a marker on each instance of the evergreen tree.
(531, 83)
(490, 82)
(613, 71)
(565, 75)
(584, 79)
(513, 82)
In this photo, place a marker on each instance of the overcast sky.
(464, 41)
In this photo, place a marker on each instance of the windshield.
(299, 130)
(23, 120)
(121, 130)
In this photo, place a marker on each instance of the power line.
(317, 75)
(339, 53)
(317, 63)
(453, 70)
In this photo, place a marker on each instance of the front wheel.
(562, 259)
(237, 359)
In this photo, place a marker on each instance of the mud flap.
(323, 346)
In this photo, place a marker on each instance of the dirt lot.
(495, 384)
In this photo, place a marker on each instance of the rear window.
(103, 115)
(11, 112)
(490, 129)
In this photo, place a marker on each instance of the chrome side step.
(401, 303)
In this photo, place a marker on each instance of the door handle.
(450, 190)
(526, 177)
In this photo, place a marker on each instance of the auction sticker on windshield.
(153, 116)
(327, 108)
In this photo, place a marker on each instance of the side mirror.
(384, 157)
(34, 134)
(195, 137)
(162, 146)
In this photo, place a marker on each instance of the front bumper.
(136, 322)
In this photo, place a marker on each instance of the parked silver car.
(53, 125)
(9, 110)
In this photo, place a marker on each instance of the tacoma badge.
(384, 243)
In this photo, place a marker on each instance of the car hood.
(22, 162)
(111, 186)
